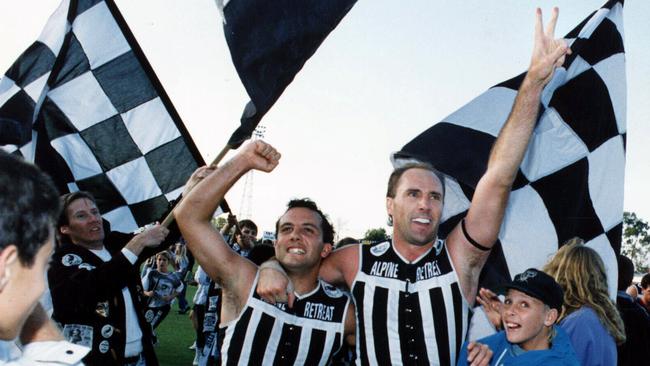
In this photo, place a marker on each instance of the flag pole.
(169, 219)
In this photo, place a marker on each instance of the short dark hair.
(29, 207)
(326, 227)
(625, 272)
(395, 176)
(165, 254)
(247, 223)
(645, 282)
(346, 241)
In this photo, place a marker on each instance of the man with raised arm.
(413, 294)
(253, 331)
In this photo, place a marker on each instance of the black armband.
(470, 240)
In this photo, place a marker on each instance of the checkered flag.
(269, 42)
(84, 104)
(571, 180)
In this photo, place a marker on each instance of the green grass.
(175, 335)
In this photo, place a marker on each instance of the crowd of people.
(302, 301)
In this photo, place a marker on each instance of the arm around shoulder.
(340, 267)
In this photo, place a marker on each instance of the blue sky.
(383, 76)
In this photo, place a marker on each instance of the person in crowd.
(244, 237)
(198, 311)
(345, 241)
(161, 287)
(635, 318)
(644, 299)
(184, 271)
(95, 285)
(29, 208)
(243, 243)
(588, 315)
(254, 331)
(531, 308)
(413, 293)
(633, 290)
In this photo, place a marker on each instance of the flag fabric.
(84, 104)
(570, 182)
(269, 42)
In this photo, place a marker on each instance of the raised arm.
(234, 273)
(487, 209)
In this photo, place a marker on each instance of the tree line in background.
(636, 241)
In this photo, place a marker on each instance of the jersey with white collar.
(310, 333)
(408, 312)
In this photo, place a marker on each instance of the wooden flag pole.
(170, 216)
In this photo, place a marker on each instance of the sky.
(387, 73)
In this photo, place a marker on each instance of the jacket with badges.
(88, 301)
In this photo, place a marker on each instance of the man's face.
(299, 243)
(524, 319)
(247, 238)
(23, 289)
(84, 223)
(162, 263)
(416, 207)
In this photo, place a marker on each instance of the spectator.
(635, 318)
(588, 315)
(29, 207)
(345, 241)
(644, 299)
(244, 237)
(198, 312)
(184, 272)
(94, 281)
(531, 308)
(261, 253)
(161, 287)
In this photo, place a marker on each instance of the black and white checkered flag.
(269, 42)
(84, 104)
(571, 180)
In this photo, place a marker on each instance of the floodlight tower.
(246, 206)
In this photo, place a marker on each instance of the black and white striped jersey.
(308, 334)
(408, 313)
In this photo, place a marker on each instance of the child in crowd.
(532, 304)
(161, 286)
(588, 315)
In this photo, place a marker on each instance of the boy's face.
(247, 238)
(162, 263)
(22, 289)
(526, 320)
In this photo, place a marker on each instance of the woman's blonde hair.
(581, 273)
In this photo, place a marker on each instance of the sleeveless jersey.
(308, 334)
(408, 313)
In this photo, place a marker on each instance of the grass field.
(175, 335)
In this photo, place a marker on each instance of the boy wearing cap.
(531, 307)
